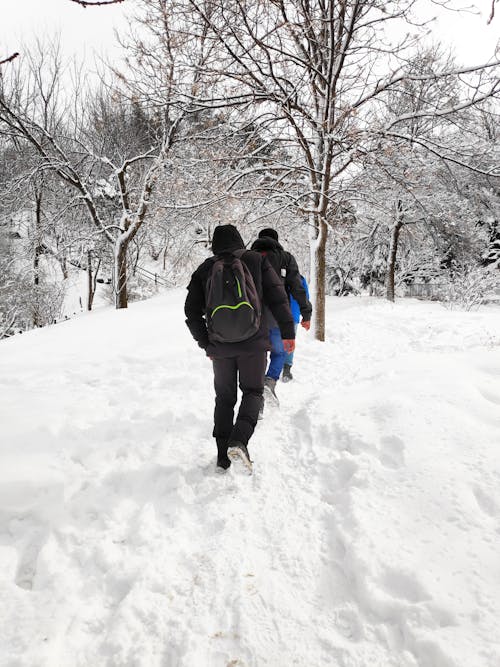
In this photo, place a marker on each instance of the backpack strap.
(239, 253)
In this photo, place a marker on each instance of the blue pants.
(278, 354)
(289, 356)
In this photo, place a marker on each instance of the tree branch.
(492, 12)
(9, 59)
(447, 158)
(96, 3)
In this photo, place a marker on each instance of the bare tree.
(443, 214)
(34, 109)
(313, 73)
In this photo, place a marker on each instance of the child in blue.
(295, 308)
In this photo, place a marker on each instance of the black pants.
(251, 371)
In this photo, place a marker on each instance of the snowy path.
(368, 535)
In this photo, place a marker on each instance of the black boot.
(287, 373)
(223, 461)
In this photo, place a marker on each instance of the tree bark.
(393, 251)
(318, 278)
(64, 267)
(90, 296)
(36, 257)
(121, 294)
(38, 237)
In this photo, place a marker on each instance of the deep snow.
(367, 536)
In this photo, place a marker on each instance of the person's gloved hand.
(289, 345)
(306, 324)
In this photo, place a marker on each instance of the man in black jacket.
(285, 265)
(246, 358)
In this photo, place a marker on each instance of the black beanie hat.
(270, 233)
(226, 238)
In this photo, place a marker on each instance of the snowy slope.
(367, 536)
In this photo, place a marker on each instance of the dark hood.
(266, 244)
(226, 238)
(269, 232)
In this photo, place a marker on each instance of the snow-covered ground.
(367, 537)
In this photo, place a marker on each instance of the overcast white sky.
(83, 31)
(86, 30)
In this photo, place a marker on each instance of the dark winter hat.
(270, 233)
(226, 238)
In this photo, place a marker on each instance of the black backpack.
(233, 309)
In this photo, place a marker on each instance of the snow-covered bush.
(24, 305)
(469, 287)
(44, 303)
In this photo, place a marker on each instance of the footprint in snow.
(303, 435)
(337, 479)
(404, 586)
(392, 452)
(348, 623)
(26, 570)
(345, 469)
(349, 442)
(486, 502)
(222, 653)
(489, 396)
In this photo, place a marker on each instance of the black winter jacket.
(271, 292)
(285, 265)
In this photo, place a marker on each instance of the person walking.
(286, 375)
(226, 307)
(285, 265)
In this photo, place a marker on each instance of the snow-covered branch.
(445, 156)
(447, 111)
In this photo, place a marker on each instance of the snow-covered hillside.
(367, 536)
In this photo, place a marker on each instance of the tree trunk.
(393, 251)
(136, 260)
(318, 278)
(36, 296)
(121, 295)
(64, 267)
(38, 237)
(164, 251)
(36, 258)
(90, 296)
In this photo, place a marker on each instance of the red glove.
(289, 345)
(306, 324)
